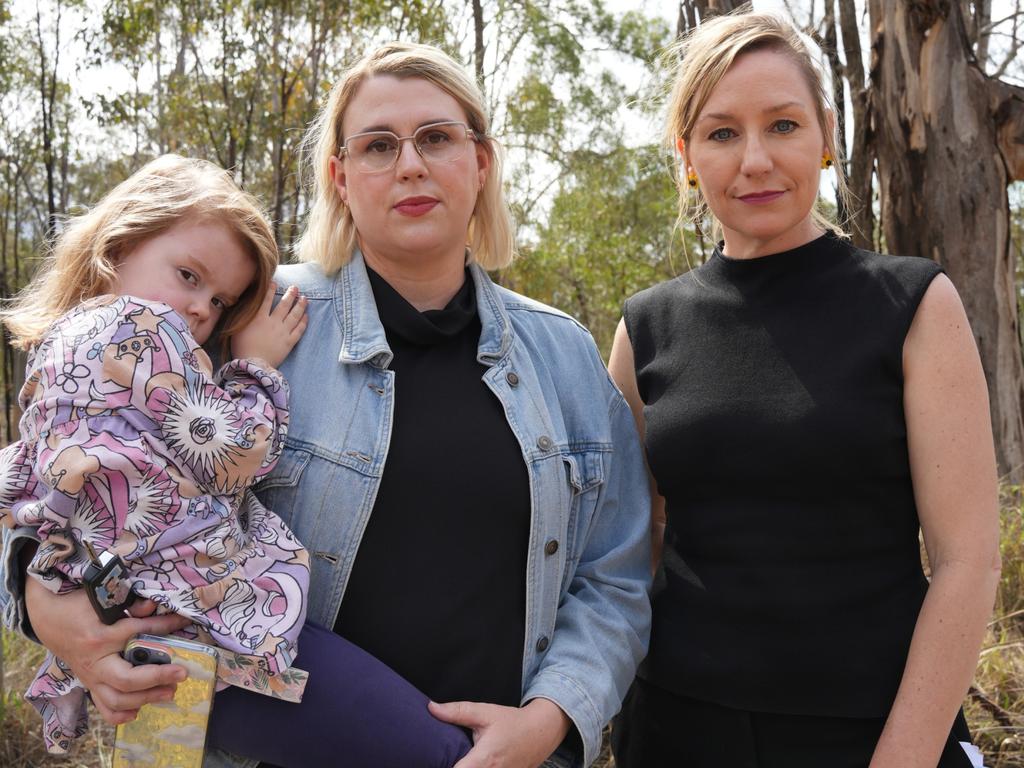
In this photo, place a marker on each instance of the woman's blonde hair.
(703, 57)
(83, 260)
(331, 237)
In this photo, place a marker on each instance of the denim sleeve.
(12, 580)
(603, 624)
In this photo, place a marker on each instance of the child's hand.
(272, 334)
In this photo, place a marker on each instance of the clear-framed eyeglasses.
(378, 151)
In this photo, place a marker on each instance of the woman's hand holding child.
(68, 626)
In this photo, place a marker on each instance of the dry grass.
(995, 706)
(21, 742)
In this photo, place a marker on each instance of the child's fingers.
(298, 311)
(300, 328)
(120, 689)
(144, 679)
(113, 717)
(285, 305)
(140, 609)
(151, 625)
(121, 701)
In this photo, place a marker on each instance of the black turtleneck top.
(438, 587)
(773, 390)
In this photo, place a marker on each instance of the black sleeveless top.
(773, 390)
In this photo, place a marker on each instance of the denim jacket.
(587, 610)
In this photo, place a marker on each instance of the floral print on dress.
(132, 444)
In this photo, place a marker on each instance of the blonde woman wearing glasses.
(466, 477)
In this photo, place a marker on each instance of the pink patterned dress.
(129, 442)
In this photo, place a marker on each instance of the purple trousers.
(356, 712)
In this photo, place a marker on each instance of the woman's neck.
(427, 283)
(744, 246)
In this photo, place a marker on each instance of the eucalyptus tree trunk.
(692, 12)
(948, 141)
(830, 48)
(6, 371)
(478, 43)
(861, 160)
(48, 103)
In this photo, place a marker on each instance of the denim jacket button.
(544, 443)
(512, 378)
(551, 547)
(542, 645)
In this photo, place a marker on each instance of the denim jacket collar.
(362, 334)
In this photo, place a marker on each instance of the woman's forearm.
(940, 665)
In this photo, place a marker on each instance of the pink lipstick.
(760, 198)
(416, 206)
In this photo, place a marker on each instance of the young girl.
(132, 446)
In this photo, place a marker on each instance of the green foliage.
(237, 81)
(128, 27)
(595, 214)
(607, 236)
(637, 35)
(535, 111)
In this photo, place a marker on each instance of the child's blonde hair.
(83, 261)
(330, 237)
(701, 60)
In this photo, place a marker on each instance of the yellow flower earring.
(691, 177)
(826, 161)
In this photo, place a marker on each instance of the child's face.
(198, 268)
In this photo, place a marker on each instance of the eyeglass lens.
(378, 151)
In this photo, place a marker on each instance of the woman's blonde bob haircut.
(331, 235)
(703, 57)
(171, 189)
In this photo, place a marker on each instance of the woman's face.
(418, 211)
(756, 148)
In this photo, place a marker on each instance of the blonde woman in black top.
(806, 407)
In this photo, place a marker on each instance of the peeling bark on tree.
(948, 140)
(862, 158)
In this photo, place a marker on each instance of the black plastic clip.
(109, 591)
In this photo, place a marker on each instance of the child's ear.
(113, 263)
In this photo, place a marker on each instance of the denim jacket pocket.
(278, 490)
(585, 474)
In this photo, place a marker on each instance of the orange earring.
(826, 161)
(691, 177)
